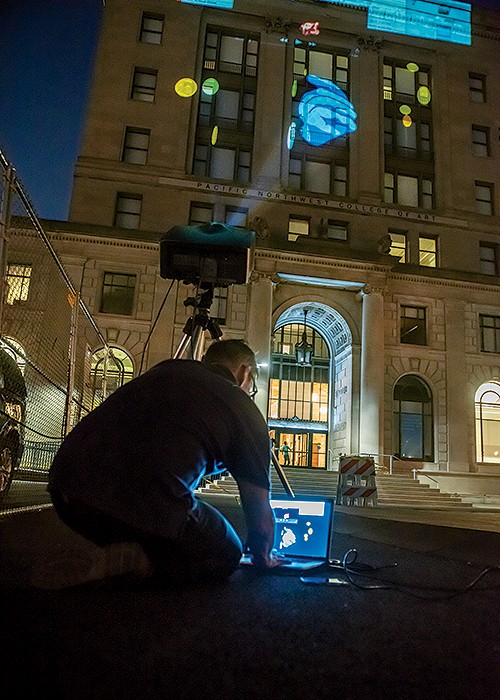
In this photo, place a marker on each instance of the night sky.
(46, 58)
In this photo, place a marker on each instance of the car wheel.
(6, 468)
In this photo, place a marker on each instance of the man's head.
(238, 358)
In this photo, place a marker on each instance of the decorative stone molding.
(277, 25)
(257, 275)
(369, 289)
(260, 226)
(370, 42)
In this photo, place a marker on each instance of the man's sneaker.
(123, 561)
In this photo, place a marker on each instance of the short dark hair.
(230, 352)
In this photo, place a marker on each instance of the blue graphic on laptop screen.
(301, 528)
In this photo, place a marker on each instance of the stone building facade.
(387, 235)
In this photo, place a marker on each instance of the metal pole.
(73, 300)
(5, 206)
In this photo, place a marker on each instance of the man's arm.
(260, 523)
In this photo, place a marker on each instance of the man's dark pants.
(207, 547)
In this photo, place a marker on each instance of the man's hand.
(270, 561)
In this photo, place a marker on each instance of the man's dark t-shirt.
(140, 454)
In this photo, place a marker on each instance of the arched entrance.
(310, 402)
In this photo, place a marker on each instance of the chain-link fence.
(47, 335)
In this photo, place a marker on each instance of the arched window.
(413, 421)
(15, 350)
(299, 391)
(109, 371)
(488, 423)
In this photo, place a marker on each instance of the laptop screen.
(302, 527)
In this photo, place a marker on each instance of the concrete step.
(394, 491)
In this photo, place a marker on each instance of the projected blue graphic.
(226, 4)
(443, 20)
(326, 112)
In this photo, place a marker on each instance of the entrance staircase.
(392, 490)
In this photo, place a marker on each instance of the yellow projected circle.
(186, 87)
(215, 133)
(412, 67)
(423, 95)
(210, 86)
(407, 120)
(405, 109)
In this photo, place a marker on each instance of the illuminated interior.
(487, 409)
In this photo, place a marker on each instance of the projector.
(210, 255)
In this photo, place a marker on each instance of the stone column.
(371, 409)
(259, 332)
(458, 456)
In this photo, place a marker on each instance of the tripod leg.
(284, 481)
(186, 339)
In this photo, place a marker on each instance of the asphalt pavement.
(419, 619)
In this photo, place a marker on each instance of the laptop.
(302, 532)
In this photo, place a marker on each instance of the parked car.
(12, 417)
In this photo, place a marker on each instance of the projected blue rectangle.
(444, 20)
(225, 4)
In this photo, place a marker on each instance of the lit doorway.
(301, 448)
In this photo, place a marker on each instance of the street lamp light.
(304, 350)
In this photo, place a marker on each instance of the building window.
(487, 409)
(413, 325)
(318, 167)
(477, 87)
(315, 61)
(490, 333)
(230, 109)
(298, 392)
(398, 245)
(222, 163)
(315, 176)
(224, 134)
(218, 310)
(128, 210)
(427, 251)
(488, 259)
(236, 216)
(231, 54)
(298, 226)
(337, 230)
(17, 279)
(110, 369)
(117, 296)
(406, 86)
(484, 198)
(413, 419)
(480, 141)
(408, 190)
(136, 145)
(151, 28)
(144, 85)
(201, 213)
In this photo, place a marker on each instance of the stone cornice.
(445, 282)
(308, 259)
(98, 240)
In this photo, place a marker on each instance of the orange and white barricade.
(356, 484)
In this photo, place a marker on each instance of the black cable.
(154, 324)
(351, 569)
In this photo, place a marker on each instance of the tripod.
(201, 321)
(191, 345)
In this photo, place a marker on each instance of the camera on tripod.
(210, 255)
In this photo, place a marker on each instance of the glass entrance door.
(300, 448)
